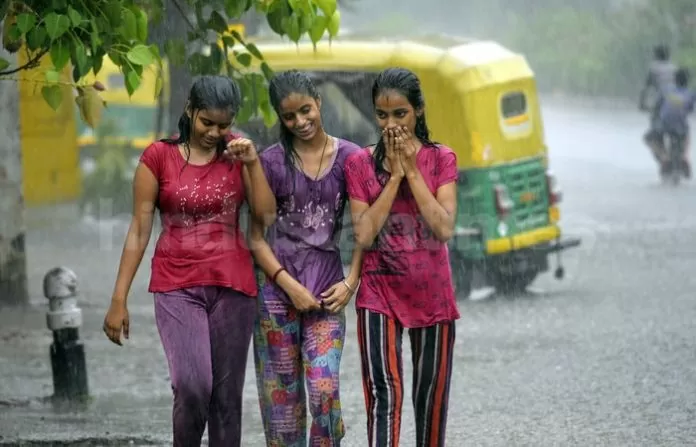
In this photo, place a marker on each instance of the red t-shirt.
(406, 274)
(201, 243)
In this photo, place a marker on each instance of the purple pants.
(206, 332)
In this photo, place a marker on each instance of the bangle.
(348, 285)
(278, 272)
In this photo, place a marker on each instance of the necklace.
(321, 159)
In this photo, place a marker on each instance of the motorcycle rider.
(674, 106)
(660, 78)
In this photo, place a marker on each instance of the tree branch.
(31, 63)
(183, 14)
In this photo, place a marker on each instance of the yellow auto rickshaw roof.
(482, 63)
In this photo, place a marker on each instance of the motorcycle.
(675, 167)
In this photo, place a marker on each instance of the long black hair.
(211, 92)
(280, 87)
(407, 84)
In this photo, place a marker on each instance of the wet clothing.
(406, 284)
(206, 332)
(674, 107)
(204, 286)
(201, 243)
(406, 274)
(660, 78)
(432, 347)
(291, 347)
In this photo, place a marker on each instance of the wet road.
(604, 358)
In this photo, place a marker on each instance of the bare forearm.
(438, 219)
(269, 264)
(370, 223)
(131, 257)
(355, 267)
(262, 200)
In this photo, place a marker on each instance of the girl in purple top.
(300, 328)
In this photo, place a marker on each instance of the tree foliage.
(78, 34)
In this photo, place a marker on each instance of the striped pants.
(380, 341)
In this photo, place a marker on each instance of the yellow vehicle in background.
(481, 100)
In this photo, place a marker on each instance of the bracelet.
(278, 272)
(348, 285)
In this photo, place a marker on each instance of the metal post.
(64, 318)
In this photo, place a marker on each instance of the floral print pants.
(289, 348)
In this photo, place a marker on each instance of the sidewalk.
(130, 389)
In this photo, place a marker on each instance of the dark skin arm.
(438, 210)
(259, 195)
(301, 298)
(145, 190)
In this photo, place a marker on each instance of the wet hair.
(681, 77)
(211, 92)
(661, 52)
(280, 87)
(406, 83)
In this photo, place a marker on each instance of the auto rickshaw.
(481, 100)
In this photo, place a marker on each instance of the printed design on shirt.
(314, 215)
(390, 264)
(198, 204)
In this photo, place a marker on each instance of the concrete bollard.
(64, 318)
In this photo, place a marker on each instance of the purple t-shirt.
(305, 236)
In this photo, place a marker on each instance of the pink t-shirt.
(201, 243)
(406, 273)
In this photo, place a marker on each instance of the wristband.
(278, 272)
(348, 285)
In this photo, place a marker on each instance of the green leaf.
(25, 22)
(80, 61)
(316, 31)
(132, 82)
(328, 7)
(235, 8)
(141, 22)
(60, 54)
(292, 28)
(59, 4)
(140, 55)
(116, 58)
(98, 60)
(243, 58)
(52, 76)
(275, 16)
(334, 23)
(37, 38)
(4, 64)
(129, 25)
(267, 71)
(56, 25)
(217, 22)
(251, 48)
(74, 16)
(112, 10)
(154, 50)
(175, 50)
(53, 95)
(228, 40)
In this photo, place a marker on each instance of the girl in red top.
(403, 201)
(202, 271)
